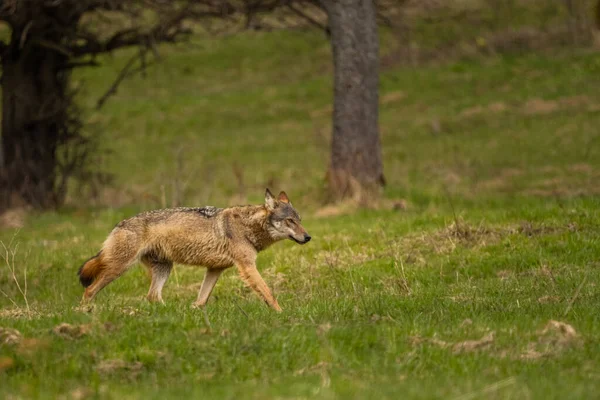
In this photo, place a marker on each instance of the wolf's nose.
(307, 238)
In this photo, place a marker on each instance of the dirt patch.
(400, 205)
(10, 336)
(131, 311)
(344, 257)
(492, 108)
(418, 340)
(466, 322)
(530, 229)
(534, 106)
(582, 168)
(322, 365)
(568, 181)
(70, 332)
(531, 353)
(474, 345)
(85, 308)
(30, 346)
(81, 393)
(334, 210)
(574, 180)
(562, 192)
(6, 363)
(466, 346)
(109, 327)
(322, 368)
(503, 180)
(548, 299)
(504, 274)
(13, 313)
(379, 318)
(552, 340)
(392, 97)
(416, 248)
(467, 234)
(13, 218)
(461, 234)
(117, 366)
(352, 205)
(559, 333)
(575, 101)
(538, 106)
(323, 328)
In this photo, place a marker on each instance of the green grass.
(498, 162)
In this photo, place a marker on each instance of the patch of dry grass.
(70, 332)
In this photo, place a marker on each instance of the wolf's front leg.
(250, 275)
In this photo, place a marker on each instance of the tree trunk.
(34, 121)
(598, 15)
(356, 168)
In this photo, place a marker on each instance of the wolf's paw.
(275, 306)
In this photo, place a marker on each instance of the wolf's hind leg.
(208, 284)
(160, 270)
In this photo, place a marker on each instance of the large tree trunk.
(598, 15)
(356, 165)
(34, 120)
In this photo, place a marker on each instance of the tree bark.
(34, 121)
(356, 168)
(598, 15)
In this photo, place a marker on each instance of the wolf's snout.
(307, 238)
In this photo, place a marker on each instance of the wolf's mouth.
(297, 241)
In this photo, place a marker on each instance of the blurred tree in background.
(356, 168)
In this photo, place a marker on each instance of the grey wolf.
(215, 238)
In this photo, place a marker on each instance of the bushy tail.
(90, 270)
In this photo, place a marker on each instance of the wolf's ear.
(270, 201)
(283, 198)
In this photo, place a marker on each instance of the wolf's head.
(284, 221)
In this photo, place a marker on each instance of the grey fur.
(155, 216)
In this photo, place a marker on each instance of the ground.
(475, 277)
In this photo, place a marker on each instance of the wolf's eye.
(291, 221)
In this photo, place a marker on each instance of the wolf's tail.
(90, 270)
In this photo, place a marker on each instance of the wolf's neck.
(256, 224)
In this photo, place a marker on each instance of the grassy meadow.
(477, 277)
